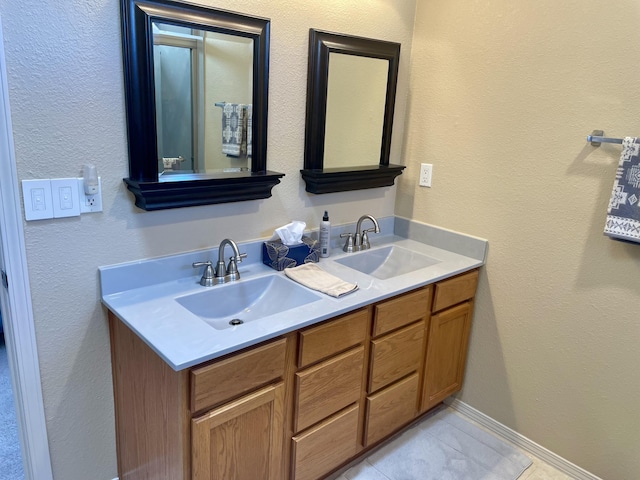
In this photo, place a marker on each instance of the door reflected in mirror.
(356, 97)
(203, 84)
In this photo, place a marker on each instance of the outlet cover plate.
(426, 172)
(90, 203)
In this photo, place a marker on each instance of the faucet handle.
(208, 275)
(365, 238)
(232, 269)
(348, 245)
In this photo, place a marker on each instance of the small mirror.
(351, 89)
(196, 84)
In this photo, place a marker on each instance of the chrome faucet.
(222, 273)
(361, 240)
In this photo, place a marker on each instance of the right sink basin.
(387, 262)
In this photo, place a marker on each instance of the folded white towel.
(312, 276)
(623, 219)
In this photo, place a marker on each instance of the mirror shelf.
(192, 190)
(153, 187)
(330, 180)
(333, 80)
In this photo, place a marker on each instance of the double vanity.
(262, 378)
(234, 371)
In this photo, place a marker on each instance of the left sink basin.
(235, 304)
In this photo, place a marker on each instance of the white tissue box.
(279, 256)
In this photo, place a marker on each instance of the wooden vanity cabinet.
(241, 436)
(448, 338)
(297, 407)
(241, 439)
(220, 421)
(396, 363)
(328, 393)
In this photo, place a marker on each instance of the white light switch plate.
(66, 202)
(38, 204)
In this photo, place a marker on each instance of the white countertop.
(143, 294)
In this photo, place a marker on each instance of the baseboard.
(521, 441)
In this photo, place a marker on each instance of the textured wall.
(66, 90)
(502, 96)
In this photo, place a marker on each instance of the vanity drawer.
(455, 290)
(395, 355)
(390, 409)
(332, 337)
(328, 387)
(400, 311)
(326, 446)
(237, 374)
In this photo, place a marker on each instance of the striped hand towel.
(623, 219)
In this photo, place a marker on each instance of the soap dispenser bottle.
(325, 233)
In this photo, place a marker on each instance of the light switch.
(66, 201)
(37, 199)
(38, 202)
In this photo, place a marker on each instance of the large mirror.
(196, 83)
(351, 87)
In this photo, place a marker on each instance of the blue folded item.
(280, 256)
(623, 219)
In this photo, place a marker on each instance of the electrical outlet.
(426, 172)
(90, 203)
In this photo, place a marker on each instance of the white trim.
(521, 441)
(20, 335)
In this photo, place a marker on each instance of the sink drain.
(236, 321)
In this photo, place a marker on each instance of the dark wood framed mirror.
(191, 142)
(351, 89)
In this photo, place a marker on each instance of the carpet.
(10, 455)
(443, 447)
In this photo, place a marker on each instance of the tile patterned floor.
(539, 470)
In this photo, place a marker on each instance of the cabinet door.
(446, 354)
(332, 337)
(455, 290)
(327, 387)
(402, 310)
(241, 440)
(325, 446)
(395, 356)
(390, 409)
(236, 375)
